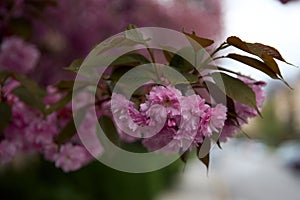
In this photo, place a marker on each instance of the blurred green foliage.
(42, 181)
(271, 129)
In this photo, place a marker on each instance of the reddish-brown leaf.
(238, 43)
(204, 42)
(271, 51)
(265, 52)
(257, 64)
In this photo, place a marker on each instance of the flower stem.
(154, 63)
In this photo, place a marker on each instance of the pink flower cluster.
(17, 55)
(170, 122)
(167, 121)
(32, 132)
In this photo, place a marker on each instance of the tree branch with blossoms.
(163, 117)
(186, 100)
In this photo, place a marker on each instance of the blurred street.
(241, 171)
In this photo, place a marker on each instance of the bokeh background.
(262, 164)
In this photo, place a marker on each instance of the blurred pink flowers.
(17, 55)
(31, 132)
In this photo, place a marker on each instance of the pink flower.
(211, 121)
(228, 131)
(204, 129)
(87, 134)
(40, 132)
(22, 116)
(188, 126)
(14, 139)
(17, 55)
(166, 96)
(192, 109)
(50, 152)
(8, 87)
(218, 117)
(160, 140)
(125, 116)
(31, 131)
(53, 95)
(171, 122)
(8, 150)
(72, 157)
(157, 114)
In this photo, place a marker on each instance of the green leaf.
(231, 112)
(205, 160)
(109, 129)
(132, 59)
(75, 65)
(130, 38)
(64, 85)
(222, 69)
(187, 59)
(125, 63)
(192, 78)
(3, 76)
(118, 72)
(204, 42)
(168, 55)
(215, 92)
(70, 129)
(30, 92)
(30, 85)
(203, 152)
(132, 33)
(114, 42)
(178, 78)
(6, 114)
(219, 144)
(235, 89)
(218, 96)
(180, 64)
(135, 79)
(66, 133)
(29, 98)
(58, 105)
(184, 157)
(131, 26)
(21, 27)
